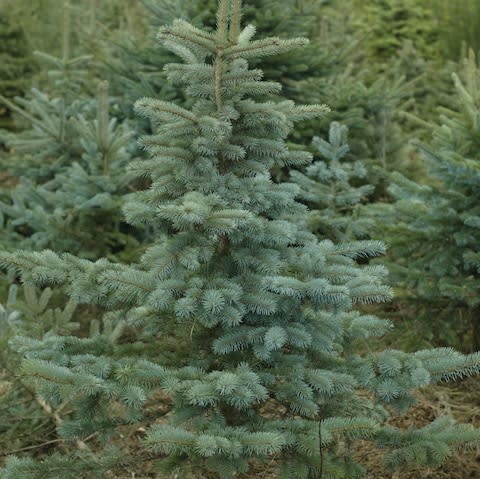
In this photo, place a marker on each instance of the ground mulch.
(460, 400)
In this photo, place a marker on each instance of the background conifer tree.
(330, 188)
(16, 63)
(389, 23)
(18, 399)
(42, 146)
(275, 365)
(70, 159)
(457, 21)
(434, 224)
(78, 209)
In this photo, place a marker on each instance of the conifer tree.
(371, 109)
(41, 20)
(70, 160)
(434, 224)
(274, 365)
(324, 69)
(18, 399)
(46, 142)
(330, 187)
(389, 23)
(401, 41)
(458, 23)
(137, 65)
(15, 62)
(81, 202)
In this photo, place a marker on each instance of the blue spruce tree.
(329, 186)
(329, 67)
(45, 142)
(434, 225)
(70, 160)
(275, 369)
(78, 208)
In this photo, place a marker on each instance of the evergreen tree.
(41, 20)
(373, 110)
(15, 62)
(70, 159)
(330, 187)
(18, 398)
(401, 40)
(389, 23)
(434, 225)
(275, 365)
(78, 210)
(324, 69)
(370, 108)
(137, 64)
(458, 23)
(46, 141)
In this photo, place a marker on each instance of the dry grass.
(7, 181)
(460, 400)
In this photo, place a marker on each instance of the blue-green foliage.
(275, 364)
(61, 466)
(23, 420)
(371, 109)
(71, 162)
(138, 66)
(45, 144)
(326, 68)
(434, 226)
(333, 188)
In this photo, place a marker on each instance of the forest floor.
(460, 400)
(7, 181)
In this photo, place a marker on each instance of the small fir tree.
(372, 110)
(18, 398)
(331, 189)
(70, 159)
(46, 141)
(78, 209)
(137, 64)
(434, 225)
(458, 23)
(324, 69)
(16, 63)
(401, 41)
(274, 365)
